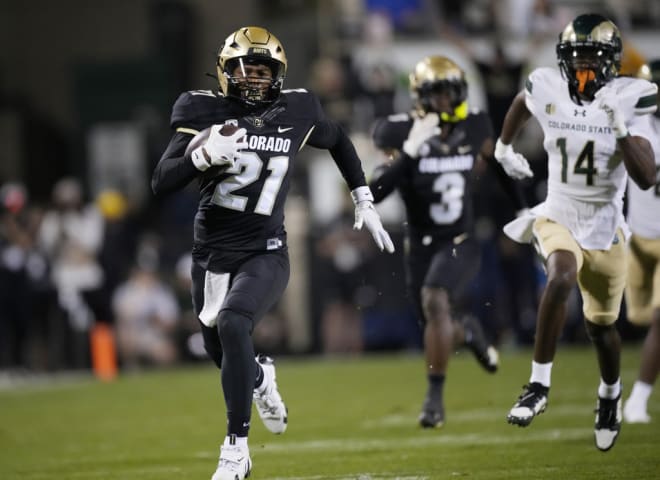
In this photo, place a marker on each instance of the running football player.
(436, 153)
(595, 135)
(241, 263)
(643, 287)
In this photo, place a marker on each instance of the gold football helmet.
(244, 49)
(437, 75)
(589, 55)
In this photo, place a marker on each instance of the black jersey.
(436, 187)
(241, 209)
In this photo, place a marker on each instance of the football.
(202, 136)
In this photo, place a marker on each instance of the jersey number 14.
(584, 165)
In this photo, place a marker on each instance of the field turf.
(349, 418)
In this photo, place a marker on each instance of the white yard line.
(352, 445)
(357, 476)
(341, 445)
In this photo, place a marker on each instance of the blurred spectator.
(147, 314)
(24, 286)
(359, 301)
(374, 74)
(190, 342)
(501, 73)
(404, 16)
(71, 234)
(341, 258)
(328, 80)
(522, 19)
(120, 236)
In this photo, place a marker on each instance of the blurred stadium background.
(86, 90)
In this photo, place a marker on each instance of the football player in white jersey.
(595, 135)
(643, 287)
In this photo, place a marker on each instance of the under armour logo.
(578, 112)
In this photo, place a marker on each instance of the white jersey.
(644, 205)
(586, 174)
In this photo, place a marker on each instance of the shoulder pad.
(636, 95)
(192, 106)
(540, 79)
(299, 96)
(391, 132)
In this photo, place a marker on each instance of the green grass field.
(349, 418)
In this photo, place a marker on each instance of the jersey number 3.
(452, 187)
(246, 170)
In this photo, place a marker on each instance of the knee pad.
(233, 328)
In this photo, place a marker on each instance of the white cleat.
(608, 422)
(234, 463)
(634, 413)
(267, 398)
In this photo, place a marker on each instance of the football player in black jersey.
(435, 151)
(241, 263)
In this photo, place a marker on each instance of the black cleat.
(432, 419)
(475, 339)
(531, 402)
(433, 412)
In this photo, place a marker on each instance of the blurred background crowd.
(86, 90)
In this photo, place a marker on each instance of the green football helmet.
(589, 55)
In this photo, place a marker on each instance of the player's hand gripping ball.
(217, 145)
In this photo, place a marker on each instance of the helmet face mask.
(438, 85)
(589, 55)
(252, 80)
(251, 67)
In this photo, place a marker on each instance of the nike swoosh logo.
(283, 129)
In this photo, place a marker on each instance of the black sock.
(238, 367)
(436, 382)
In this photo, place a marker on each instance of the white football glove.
(422, 129)
(366, 214)
(222, 150)
(514, 164)
(608, 102)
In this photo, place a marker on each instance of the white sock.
(541, 373)
(240, 441)
(609, 391)
(640, 393)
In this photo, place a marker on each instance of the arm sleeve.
(386, 178)
(174, 171)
